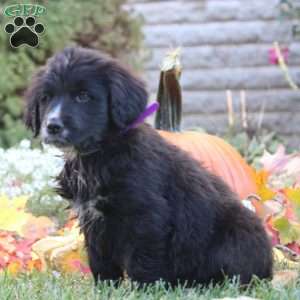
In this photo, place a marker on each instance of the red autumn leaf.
(34, 264)
(7, 246)
(77, 264)
(4, 259)
(294, 247)
(16, 253)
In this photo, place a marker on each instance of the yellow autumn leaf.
(60, 252)
(280, 258)
(261, 177)
(14, 268)
(64, 259)
(294, 196)
(16, 203)
(13, 217)
(12, 214)
(263, 191)
(19, 202)
(34, 264)
(44, 247)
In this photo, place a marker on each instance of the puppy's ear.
(128, 96)
(32, 95)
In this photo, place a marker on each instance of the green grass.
(50, 287)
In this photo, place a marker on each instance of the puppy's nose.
(54, 126)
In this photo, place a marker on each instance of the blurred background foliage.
(102, 25)
(291, 9)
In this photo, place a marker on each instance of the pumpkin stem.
(168, 116)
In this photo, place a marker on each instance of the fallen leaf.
(263, 191)
(273, 234)
(11, 221)
(64, 253)
(294, 247)
(14, 268)
(280, 258)
(34, 264)
(288, 230)
(16, 254)
(274, 162)
(273, 207)
(4, 259)
(7, 245)
(293, 165)
(294, 196)
(37, 227)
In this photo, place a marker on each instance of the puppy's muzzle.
(55, 133)
(54, 127)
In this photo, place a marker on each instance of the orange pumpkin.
(211, 151)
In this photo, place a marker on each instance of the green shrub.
(96, 24)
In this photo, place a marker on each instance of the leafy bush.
(252, 146)
(291, 9)
(96, 24)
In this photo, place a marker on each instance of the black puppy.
(146, 208)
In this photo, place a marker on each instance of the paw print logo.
(24, 31)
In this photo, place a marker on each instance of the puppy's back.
(213, 231)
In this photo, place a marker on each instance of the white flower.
(25, 171)
(25, 144)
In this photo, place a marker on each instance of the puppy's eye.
(46, 98)
(82, 97)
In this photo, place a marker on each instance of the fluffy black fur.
(145, 206)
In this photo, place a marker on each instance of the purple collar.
(150, 109)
